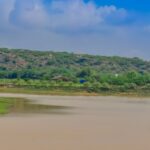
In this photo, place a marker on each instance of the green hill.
(63, 62)
(72, 72)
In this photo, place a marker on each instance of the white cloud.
(74, 15)
(69, 15)
(28, 13)
(6, 6)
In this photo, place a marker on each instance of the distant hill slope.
(18, 59)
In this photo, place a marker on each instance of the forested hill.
(12, 59)
(50, 64)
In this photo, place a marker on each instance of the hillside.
(15, 59)
(72, 72)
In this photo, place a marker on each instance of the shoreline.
(100, 97)
(136, 94)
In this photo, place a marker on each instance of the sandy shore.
(95, 123)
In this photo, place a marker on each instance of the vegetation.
(62, 71)
(21, 105)
(4, 106)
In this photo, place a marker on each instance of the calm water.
(22, 106)
(94, 123)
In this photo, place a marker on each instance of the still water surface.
(93, 123)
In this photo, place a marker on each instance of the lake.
(90, 123)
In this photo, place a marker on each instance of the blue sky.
(132, 5)
(100, 27)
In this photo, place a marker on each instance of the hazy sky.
(104, 27)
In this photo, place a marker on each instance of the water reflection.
(19, 106)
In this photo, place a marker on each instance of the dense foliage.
(80, 71)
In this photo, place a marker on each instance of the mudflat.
(93, 123)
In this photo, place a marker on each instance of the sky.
(99, 27)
